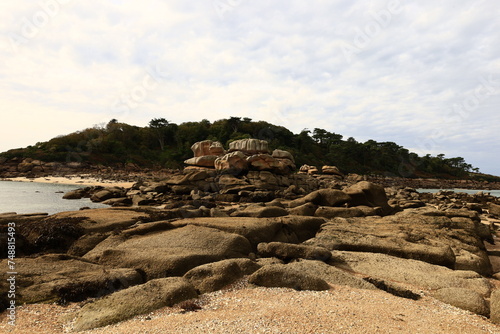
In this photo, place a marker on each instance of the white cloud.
(93, 61)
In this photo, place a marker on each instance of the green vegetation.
(165, 144)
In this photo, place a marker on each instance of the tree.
(160, 127)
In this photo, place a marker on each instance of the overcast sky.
(424, 74)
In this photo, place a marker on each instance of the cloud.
(411, 64)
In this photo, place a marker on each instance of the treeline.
(165, 144)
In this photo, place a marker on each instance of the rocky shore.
(245, 217)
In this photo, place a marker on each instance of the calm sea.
(31, 197)
(467, 191)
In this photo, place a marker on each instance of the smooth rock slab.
(417, 273)
(133, 301)
(286, 251)
(283, 276)
(214, 276)
(172, 252)
(63, 278)
(463, 298)
(330, 274)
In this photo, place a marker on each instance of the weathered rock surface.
(249, 146)
(260, 211)
(494, 209)
(233, 163)
(370, 194)
(256, 230)
(102, 220)
(463, 298)
(288, 252)
(207, 148)
(417, 273)
(170, 253)
(331, 170)
(214, 276)
(330, 274)
(133, 301)
(281, 154)
(495, 306)
(107, 193)
(324, 197)
(284, 276)
(204, 161)
(426, 235)
(63, 278)
(329, 212)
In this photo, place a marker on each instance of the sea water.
(33, 197)
(467, 191)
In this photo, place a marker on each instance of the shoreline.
(77, 180)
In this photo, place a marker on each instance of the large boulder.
(256, 230)
(232, 163)
(262, 162)
(203, 161)
(331, 170)
(249, 146)
(136, 300)
(107, 193)
(264, 180)
(309, 170)
(425, 235)
(260, 211)
(495, 306)
(214, 276)
(63, 278)
(329, 212)
(307, 209)
(370, 194)
(494, 209)
(207, 148)
(465, 299)
(287, 252)
(420, 274)
(170, 253)
(101, 220)
(284, 276)
(330, 274)
(281, 154)
(323, 197)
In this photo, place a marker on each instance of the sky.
(424, 74)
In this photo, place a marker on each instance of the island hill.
(242, 214)
(119, 147)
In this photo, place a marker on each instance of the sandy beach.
(81, 180)
(243, 309)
